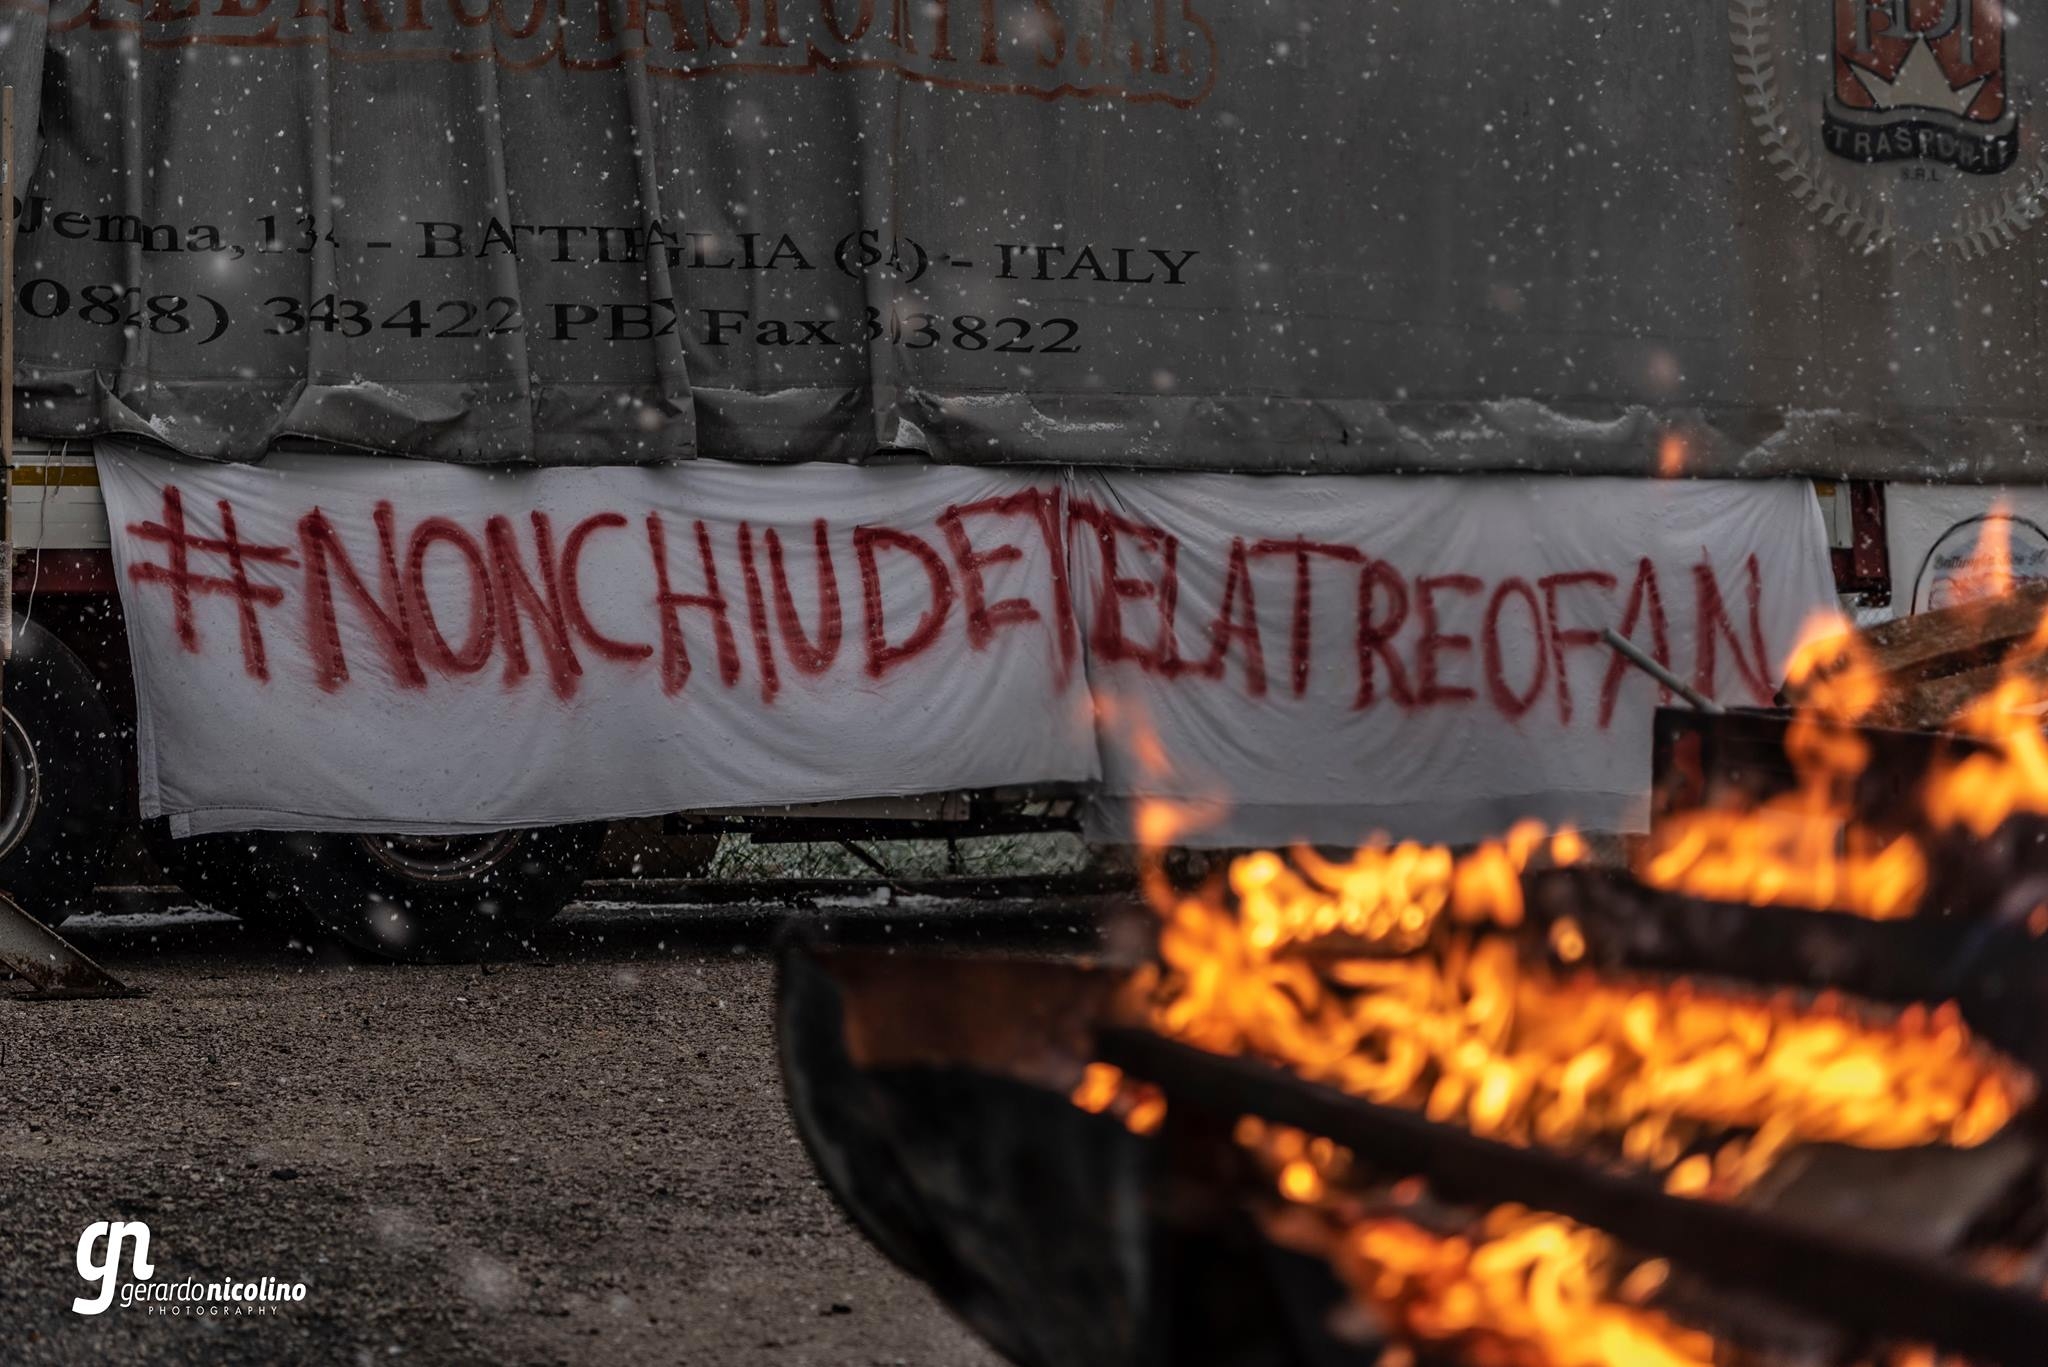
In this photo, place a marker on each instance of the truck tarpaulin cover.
(335, 643)
(1778, 236)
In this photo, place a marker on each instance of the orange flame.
(1104, 1090)
(1519, 1286)
(1374, 976)
(1454, 1025)
(1534, 1281)
(1671, 455)
(1980, 791)
(1471, 1036)
(1992, 558)
(1801, 848)
(1391, 897)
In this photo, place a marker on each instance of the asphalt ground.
(582, 1156)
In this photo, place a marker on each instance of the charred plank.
(1872, 1289)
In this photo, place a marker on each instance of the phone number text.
(202, 319)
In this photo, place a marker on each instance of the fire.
(1523, 1279)
(1391, 898)
(1383, 976)
(1470, 1035)
(1104, 1090)
(1980, 791)
(1519, 1286)
(1406, 999)
(1671, 455)
(1994, 548)
(1988, 572)
(1800, 848)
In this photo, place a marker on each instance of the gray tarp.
(1249, 234)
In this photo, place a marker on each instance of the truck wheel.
(63, 786)
(424, 898)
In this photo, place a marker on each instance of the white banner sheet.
(1312, 658)
(363, 644)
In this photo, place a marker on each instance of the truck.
(447, 429)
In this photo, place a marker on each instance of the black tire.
(63, 779)
(420, 898)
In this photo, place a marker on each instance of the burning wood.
(1835, 811)
(1467, 1032)
(1863, 1286)
(1802, 846)
(1514, 1285)
(1705, 1088)
(1527, 1272)
(1618, 1141)
(1386, 978)
(1520, 1284)
(1927, 667)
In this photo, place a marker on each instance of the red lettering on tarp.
(1301, 629)
(983, 617)
(179, 545)
(1167, 652)
(483, 604)
(607, 647)
(757, 617)
(1435, 643)
(1375, 644)
(1408, 633)
(675, 651)
(543, 604)
(1511, 704)
(1232, 624)
(385, 614)
(1560, 638)
(883, 657)
(1106, 636)
(1710, 621)
(1643, 595)
(1051, 512)
(810, 659)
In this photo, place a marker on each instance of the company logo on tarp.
(1894, 120)
(101, 1249)
(1144, 51)
(1921, 79)
(1981, 557)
